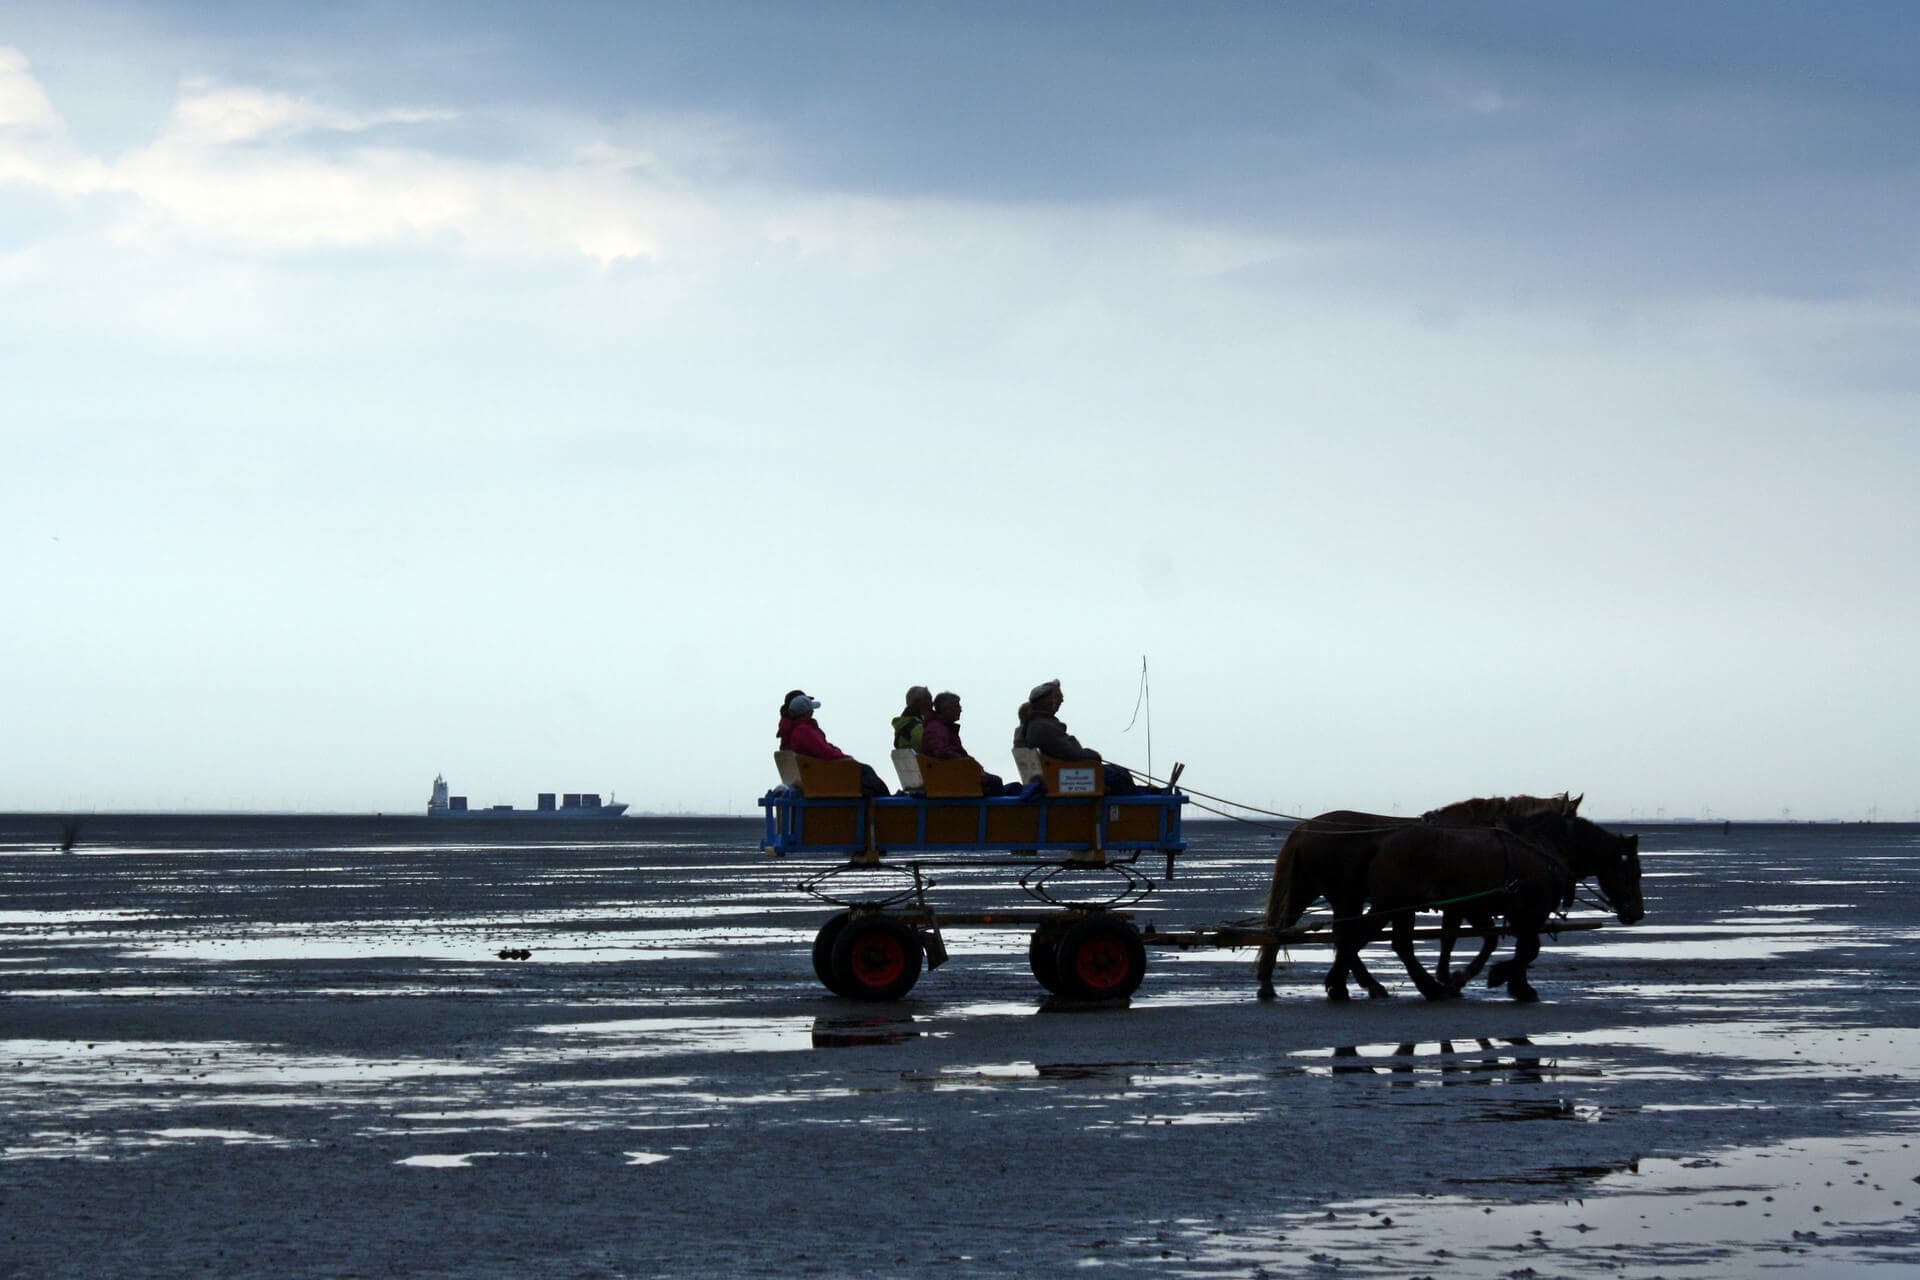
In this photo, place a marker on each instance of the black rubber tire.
(1101, 958)
(876, 957)
(823, 950)
(1043, 957)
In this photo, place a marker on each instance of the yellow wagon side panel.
(893, 826)
(832, 826)
(953, 824)
(1133, 822)
(1013, 827)
(1070, 823)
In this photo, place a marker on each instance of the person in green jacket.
(911, 724)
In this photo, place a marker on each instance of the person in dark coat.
(1042, 729)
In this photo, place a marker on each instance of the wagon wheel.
(823, 950)
(1101, 958)
(876, 957)
(1043, 952)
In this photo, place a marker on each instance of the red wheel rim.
(878, 961)
(1102, 963)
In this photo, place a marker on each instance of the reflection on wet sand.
(846, 1033)
(1478, 1061)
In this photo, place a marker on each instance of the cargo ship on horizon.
(572, 805)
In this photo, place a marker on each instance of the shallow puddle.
(1178, 1119)
(1732, 947)
(1763, 1049)
(53, 920)
(204, 1065)
(663, 1037)
(463, 940)
(1813, 1206)
(464, 1160)
(391, 947)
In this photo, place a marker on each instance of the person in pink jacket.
(942, 742)
(802, 735)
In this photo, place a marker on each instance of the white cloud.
(22, 102)
(289, 199)
(265, 172)
(210, 114)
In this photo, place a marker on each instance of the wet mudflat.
(293, 1047)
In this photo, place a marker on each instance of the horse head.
(1592, 850)
(1613, 860)
(1618, 872)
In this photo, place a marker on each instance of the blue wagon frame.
(786, 824)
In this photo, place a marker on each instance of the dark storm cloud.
(1622, 149)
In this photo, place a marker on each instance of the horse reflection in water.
(1455, 859)
(1455, 1066)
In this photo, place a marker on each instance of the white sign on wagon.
(1076, 782)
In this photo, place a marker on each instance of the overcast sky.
(1446, 400)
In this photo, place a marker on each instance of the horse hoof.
(1525, 995)
(1338, 995)
(1379, 993)
(1266, 993)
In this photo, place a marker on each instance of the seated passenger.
(943, 743)
(800, 734)
(910, 724)
(1042, 730)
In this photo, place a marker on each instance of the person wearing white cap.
(1041, 729)
(802, 735)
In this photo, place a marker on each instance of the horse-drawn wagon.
(1502, 865)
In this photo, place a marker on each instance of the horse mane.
(1503, 810)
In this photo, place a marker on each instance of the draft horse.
(1328, 856)
(1521, 872)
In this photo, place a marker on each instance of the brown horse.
(1327, 857)
(1522, 872)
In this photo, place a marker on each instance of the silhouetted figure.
(1042, 730)
(910, 725)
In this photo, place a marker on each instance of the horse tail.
(1281, 909)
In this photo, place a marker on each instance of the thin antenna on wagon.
(1144, 699)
